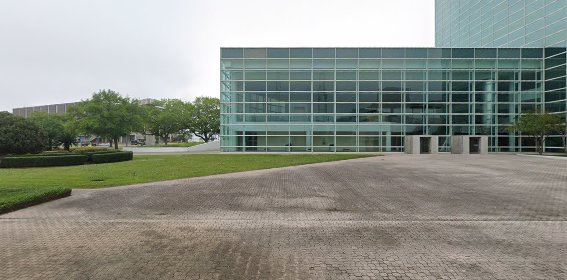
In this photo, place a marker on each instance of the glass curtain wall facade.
(517, 24)
(500, 23)
(555, 96)
(368, 99)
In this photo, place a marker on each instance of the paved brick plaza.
(394, 217)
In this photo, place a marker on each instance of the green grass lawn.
(23, 187)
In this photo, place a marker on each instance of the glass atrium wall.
(555, 91)
(368, 99)
(500, 23)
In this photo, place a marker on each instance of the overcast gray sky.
(55, 51)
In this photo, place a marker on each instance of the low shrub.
(111, 157)
(44, 154)
(42, 161)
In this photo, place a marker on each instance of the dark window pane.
(391, 97)
(300, 86)
(415, 86)
(300, 97)
(391, 75)
(415, 97)
(303, 75)
(323, 75)
(347, 53)
(463, 53)
(324, 53)
(323, 97)
(460, 108)
(255, 75)
(255, 86)
(438, 53)
(368, 97)
(368, 86)
(416, 53)
(255, 108)
(346, 97)
(300, 53)
(323, 86)
(323, 108)
(391, 108)
(392, 53)
(300, 108)
(278, 53)
(508, 53)
(485, 53)
(532, 53)
(391, 86)
(369, 53)
(346, 86)
(346, 119)
(346, 75)
(278, 86)
(346, 108)
(232, 53)
(369, 108)
(276, 97)
(368, 75)
(280, 75)
(460, 97)
(255, 53)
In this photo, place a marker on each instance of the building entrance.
(424, 145)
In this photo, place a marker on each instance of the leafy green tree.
(164, 118)
(537, 126)
(52, 126)
(204, 118)
(19, 135)
(69, 133)
(109, 115)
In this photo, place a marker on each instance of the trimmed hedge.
(88, 150)
(41, 155)
(42, 161)
(24, 198)
(111, 157)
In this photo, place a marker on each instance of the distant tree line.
(110, 116)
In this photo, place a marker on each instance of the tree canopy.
(204, 119)
(19, 135)
(51, 125)
(58, 129)
(109, 115)
(165, 117)
(538, 126)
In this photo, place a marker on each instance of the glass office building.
(495, 59)
(368, 99)
(515, 24)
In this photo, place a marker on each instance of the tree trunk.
(539, 145)
(116, 143)
(67, 147)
